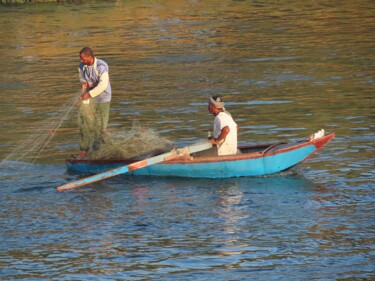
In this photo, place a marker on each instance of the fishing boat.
(250, 161)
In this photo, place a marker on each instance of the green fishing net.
(138, 143)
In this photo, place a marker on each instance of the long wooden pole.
(137, 165)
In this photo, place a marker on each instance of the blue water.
(285, 70)
(138, 228)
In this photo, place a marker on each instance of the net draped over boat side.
(137, 142)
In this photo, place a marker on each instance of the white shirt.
(96, 75)
(227, 146)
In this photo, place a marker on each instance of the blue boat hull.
(269, 159)
(229, 169)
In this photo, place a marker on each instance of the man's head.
(87, 56)
(215, 105)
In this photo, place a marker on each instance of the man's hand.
(213, 141)
(84, 87)
(224, 132)
(86, 96)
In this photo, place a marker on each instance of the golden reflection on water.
(167, 57)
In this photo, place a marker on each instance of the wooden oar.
(175, 153)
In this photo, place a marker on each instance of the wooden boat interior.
(251, 149)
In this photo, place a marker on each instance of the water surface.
(285, 70)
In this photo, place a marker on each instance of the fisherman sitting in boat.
(225, 129)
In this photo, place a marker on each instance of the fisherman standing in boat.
(96, 97)
(225, 129)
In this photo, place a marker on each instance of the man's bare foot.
(81, 155)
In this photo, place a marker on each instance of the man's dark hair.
(87, 51)
(217, 98)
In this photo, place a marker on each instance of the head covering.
(217, 102)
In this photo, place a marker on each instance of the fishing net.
(29, 149)
(138, 143)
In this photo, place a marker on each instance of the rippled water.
(285, 70)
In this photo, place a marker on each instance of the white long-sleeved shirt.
(97, 77)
